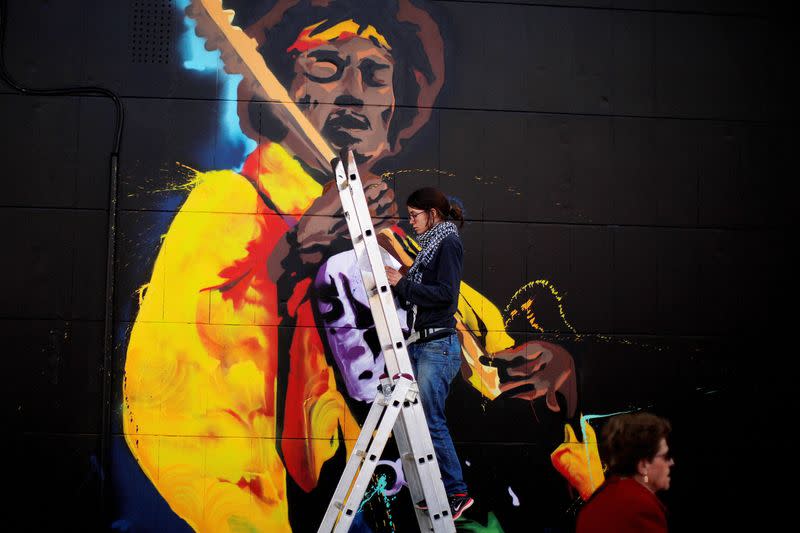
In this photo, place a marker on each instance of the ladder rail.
(376, 284)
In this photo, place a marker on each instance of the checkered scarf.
(430, 241)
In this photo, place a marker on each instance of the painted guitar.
(240, 56)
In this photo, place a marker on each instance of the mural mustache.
(341, 125)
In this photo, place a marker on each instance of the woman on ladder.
(431, 287)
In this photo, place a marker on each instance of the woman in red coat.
(639, 464)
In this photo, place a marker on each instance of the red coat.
(622, 505)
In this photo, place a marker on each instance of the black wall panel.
(61, 363)
(70, 465)
(38, 25)
(56, 151)
(49, 166)
(58, 254)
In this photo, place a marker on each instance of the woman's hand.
(393, 275)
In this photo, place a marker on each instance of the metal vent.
(151, 30)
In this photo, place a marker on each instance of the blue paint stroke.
(121, 525)
(232, 145)
(96, 468)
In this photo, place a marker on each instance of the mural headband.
(342, 31)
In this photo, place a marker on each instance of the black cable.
(65, 91)
(108, 338)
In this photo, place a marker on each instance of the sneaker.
(460, 503)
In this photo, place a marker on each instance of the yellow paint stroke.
(188, 179)
(394, 173)
(513, 308)
(140, 293)
(192, 177)
(494, 179)
(579, 460)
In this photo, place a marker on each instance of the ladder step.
(395, 346)
(374, 290)
(422, 459)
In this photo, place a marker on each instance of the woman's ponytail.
(457, 215)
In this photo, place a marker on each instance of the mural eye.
(323, 71)
(329, 305)
(375, 74)
(373, 342)
(331, 311)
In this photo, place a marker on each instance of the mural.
(252, 359)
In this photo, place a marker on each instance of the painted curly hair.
(412, 31)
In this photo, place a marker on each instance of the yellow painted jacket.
(199, 388)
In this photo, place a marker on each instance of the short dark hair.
(629, 438)
(431, 198)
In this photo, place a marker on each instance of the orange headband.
(345, 30)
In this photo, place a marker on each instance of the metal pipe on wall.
(108, 328)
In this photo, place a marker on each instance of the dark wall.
(632, 154)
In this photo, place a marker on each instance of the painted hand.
(536, 369)
(323, 223)
(323, 229)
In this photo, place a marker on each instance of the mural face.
(355, 76)
(253, 357)
(345, 317)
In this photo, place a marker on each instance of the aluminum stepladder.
(396, 409)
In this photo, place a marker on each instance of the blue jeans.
(435, 364)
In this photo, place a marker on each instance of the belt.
(429, 334)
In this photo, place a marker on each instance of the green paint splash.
(379, 490)
(492, 525)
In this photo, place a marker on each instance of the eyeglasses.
(412, 215)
